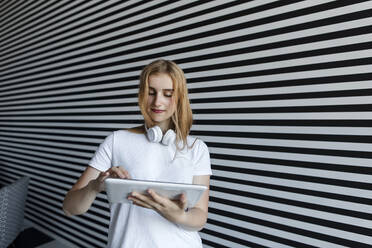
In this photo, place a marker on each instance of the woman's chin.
(159, 121)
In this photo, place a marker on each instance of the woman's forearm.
(193, 220)
(79, 201)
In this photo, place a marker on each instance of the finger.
(124, 173)
(157, 198)
(103, 176)
(183, 201)
(145, 199)
(141, 203)
(116, 173)
(127, 174)
(121, 172)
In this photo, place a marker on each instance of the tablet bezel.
(119, 189)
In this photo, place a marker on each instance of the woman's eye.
(168, 95)
(151, 93)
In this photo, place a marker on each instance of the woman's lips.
(157, 111)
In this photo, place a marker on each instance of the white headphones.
(154, 134)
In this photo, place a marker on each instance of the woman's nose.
(157, 100)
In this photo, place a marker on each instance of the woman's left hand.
(172, 210)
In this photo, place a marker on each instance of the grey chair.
(12, 207)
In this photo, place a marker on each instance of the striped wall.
(281, 92)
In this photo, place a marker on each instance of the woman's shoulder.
(128, 132)
(132, 130)
(127, 136)
(196, 144)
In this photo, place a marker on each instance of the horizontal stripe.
(280, 93)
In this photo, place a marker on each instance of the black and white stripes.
(281, 92)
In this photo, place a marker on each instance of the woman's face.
(160, 104)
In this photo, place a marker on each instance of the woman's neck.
(164, 126)
(138, 129)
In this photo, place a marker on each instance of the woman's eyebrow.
(151, 88)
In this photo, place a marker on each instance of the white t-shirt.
(136, 227)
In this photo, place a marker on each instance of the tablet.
(119, 189)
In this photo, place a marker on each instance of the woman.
(160, 150)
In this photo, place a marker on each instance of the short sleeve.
(202, 165)
(103, 156)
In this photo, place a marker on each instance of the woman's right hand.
(113, 172)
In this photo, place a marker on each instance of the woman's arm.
(81, 196)
(196, 217)
(173, 210)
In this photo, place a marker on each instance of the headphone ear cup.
(169, 137)
(154, 134)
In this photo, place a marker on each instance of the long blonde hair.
(181, 120)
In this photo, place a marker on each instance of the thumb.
(183, 201)
(104, 175)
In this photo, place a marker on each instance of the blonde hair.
(181, 120)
